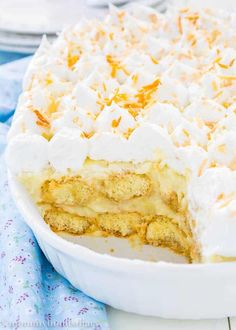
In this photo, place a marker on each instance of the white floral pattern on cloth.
(32, 293)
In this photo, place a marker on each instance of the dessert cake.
(127, 127)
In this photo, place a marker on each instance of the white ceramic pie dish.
(164, 289)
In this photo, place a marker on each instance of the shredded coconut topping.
(176, 71)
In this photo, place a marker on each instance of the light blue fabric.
(32, 293)
(6, 56)
(11, 75)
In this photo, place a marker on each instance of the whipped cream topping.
(212, 201)
(140, 86)
(27, 155)
(114, 118)
(69, 143)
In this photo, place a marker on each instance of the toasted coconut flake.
(228, 77)
(116, 122)
(179, 24)
(227, 200)
(232, 165)
(153, 18)
(213, 36)
(42, 121)
(220, 197)
(88, 135)
(155, 61)
(221, 148)
(48, 79)
(115, 66)
(145, 93)
(202, 167)
(192, 18)
(214, 86)
(72, 60)
(53, 105)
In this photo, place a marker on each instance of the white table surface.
(119, 320)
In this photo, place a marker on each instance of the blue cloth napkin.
(8, 56)
(11, 75)
(32, 293)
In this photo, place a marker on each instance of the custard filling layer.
(145, 200)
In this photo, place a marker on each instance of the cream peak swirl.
(137, 87)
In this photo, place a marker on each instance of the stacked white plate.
(21, 42)
(22, 23)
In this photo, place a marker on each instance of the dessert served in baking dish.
(127, 127)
